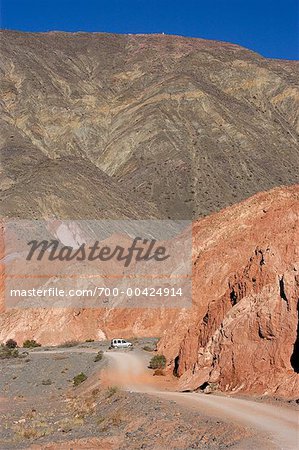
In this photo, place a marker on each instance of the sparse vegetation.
(157, 362)
(11, 343)
(68, 344)
(117, 419)
(67, 424)
(32, 432)
(95, 392)
(89, 340)
(99, 356)
(78, 379)
(111, 391)
(30, 343)
(6, 352)
(114, 420)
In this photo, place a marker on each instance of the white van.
(120, 343)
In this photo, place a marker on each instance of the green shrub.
(6, 352)
(30, 343)
(11, 343)
(78, 379)
(157, 362)
(99, 356)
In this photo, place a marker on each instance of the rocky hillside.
(188, 126)
(242, 333)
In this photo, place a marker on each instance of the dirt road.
(128, 369)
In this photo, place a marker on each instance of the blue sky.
(270, 27)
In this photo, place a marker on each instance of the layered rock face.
(242, 331)
(188, 126)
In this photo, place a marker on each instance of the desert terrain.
(122, 405)
(133, 127)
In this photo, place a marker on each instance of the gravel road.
(280, 424)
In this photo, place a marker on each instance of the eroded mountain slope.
(188, 125)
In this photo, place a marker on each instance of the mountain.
(186, 126)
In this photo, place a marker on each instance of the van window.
(119, 341)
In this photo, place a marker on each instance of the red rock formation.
(241, 332)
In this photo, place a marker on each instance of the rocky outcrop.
(242, 331)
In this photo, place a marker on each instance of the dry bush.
(157, 362)
(99, 356)
(111, 391)
(32, 430)
(117, 419)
